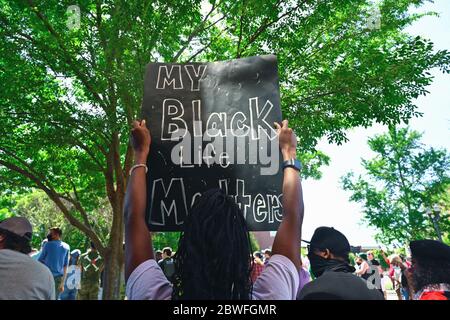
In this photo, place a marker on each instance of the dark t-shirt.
(339, 286)
(168, 267)
(404, 280)
(375, 262)
(91, 263)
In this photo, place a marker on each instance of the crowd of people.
(53, 272)
(214, 258)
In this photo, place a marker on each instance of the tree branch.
(266, 24)
(206, 46)
(25, 164)
(238, 51)
(53, 195)
(67, 56)
(194, 33)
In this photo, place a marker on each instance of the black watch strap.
(292, 163)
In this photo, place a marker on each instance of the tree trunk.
(114, 259)
(112, 280)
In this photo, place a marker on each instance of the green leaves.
(402, 180)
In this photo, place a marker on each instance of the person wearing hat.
(328, 253)
(430, 274)
(21, 277)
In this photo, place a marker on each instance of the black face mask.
(319, 265)
(49, 237)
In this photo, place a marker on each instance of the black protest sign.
(212, 127)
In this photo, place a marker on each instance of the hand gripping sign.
(212, 127)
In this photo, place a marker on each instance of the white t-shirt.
(22, 278)
(73, 279)
(278, 281)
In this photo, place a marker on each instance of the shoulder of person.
(49, 244)
(314, 287)
(331, 286)
(42, 269)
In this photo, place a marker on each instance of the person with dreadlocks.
(214, 224)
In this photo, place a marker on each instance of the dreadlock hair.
(16, 242)
(430, 271)
(214, 250)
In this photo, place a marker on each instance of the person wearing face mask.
(55, 255)
(328, 254)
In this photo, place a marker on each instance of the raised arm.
(138, 242)
(383, 254)
(287, 240)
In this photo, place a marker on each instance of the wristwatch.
(292, 163)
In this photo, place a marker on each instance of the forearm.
(385, 258)
(138, 246)
(65, 273)
(63, 280)
(287, 240)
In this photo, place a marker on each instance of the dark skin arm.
(138, 241)
(287, 240)
(138, 246)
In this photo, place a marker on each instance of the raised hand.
(287, 140)
(140, 138)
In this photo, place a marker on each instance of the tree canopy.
(70, 92)
(400, 184)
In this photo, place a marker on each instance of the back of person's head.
(395, 259)
(56, 231)
(329, 250)
(167, 251)
(268, 252)
(431, 263)
(328, 238)
(202, 270)
(258, 255)
(74, 257)
(15, 234)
